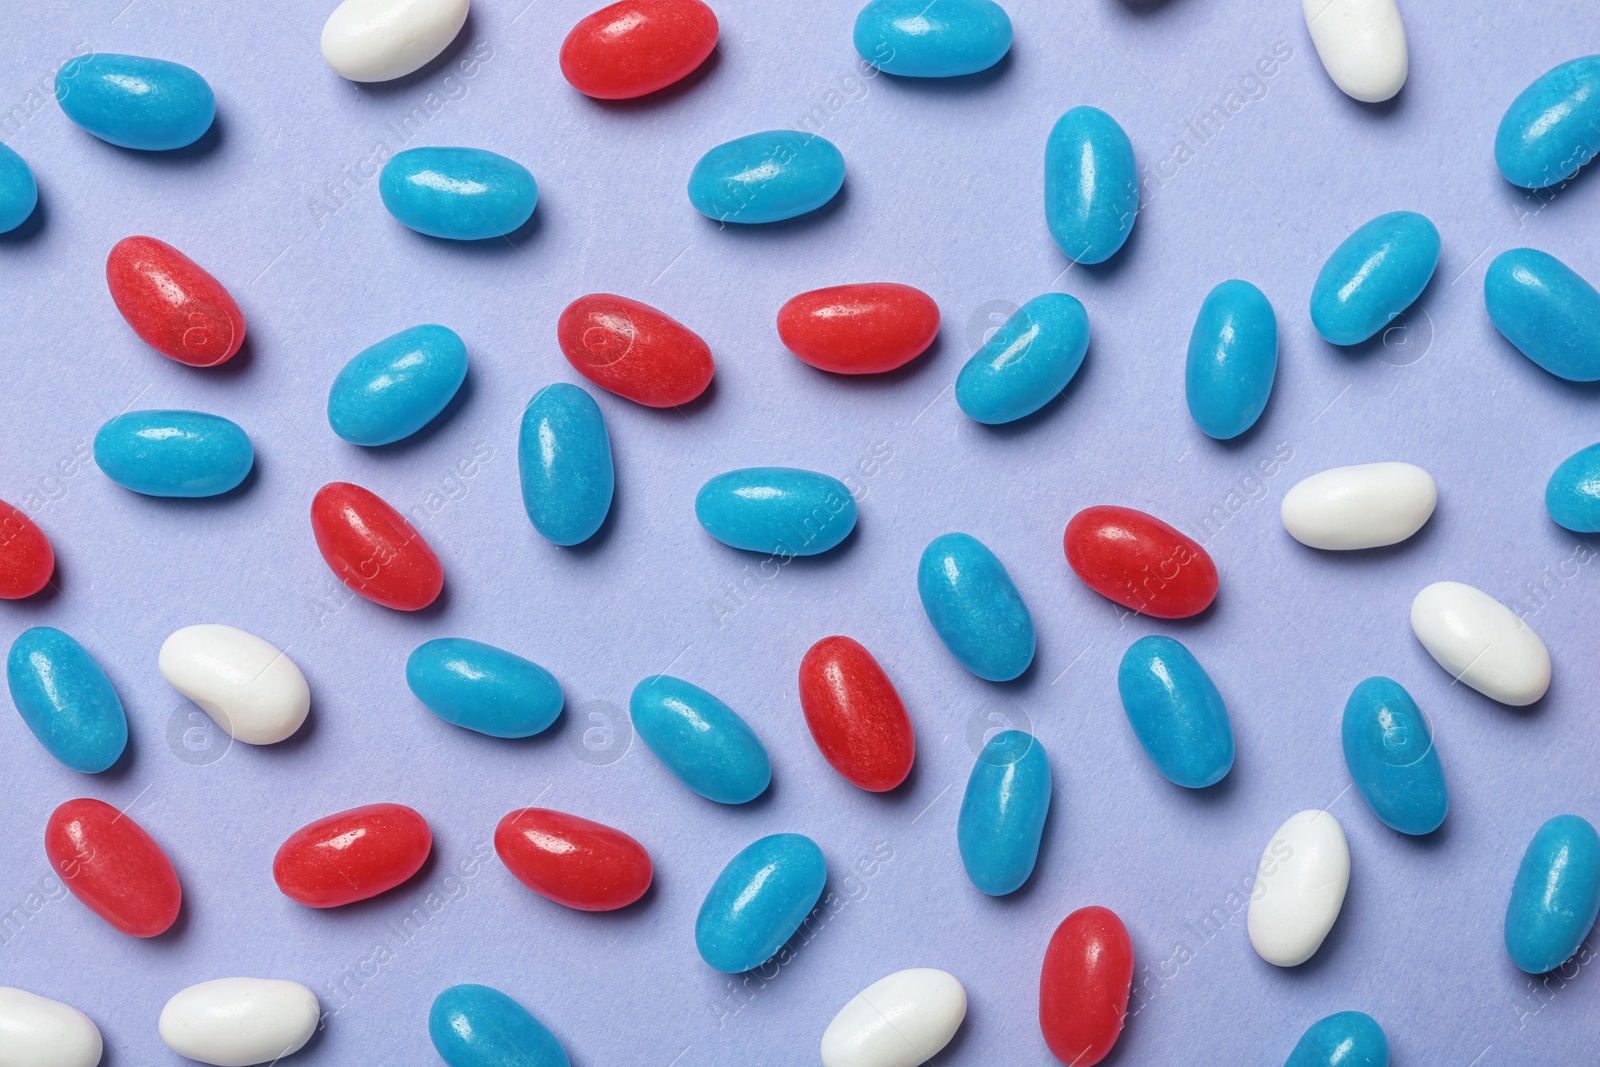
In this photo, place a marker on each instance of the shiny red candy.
(373, 549)
(637, 46)
(859, 329)
(117, 870)
(1140, 562)
(26, 561)
(172, 303)
(353, 855)
(634, 350)
(572, 861)
(855, 715)
(1083, 989)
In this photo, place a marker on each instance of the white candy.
(1299, 888)
(380, 40)
(36, 1031)
(252, 690)
(1365, 506)
(898, 1021)
(1481, 642)
(236, 1022)
(1362, 43)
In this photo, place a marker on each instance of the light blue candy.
(1544, 308)
(1027, 362)
(1556, 896)
(701, 740)
(483, 688)
(476, 1026)
(1376, 274)
(1553, 126)
(766, 177)
(1176, 712)
(759, 901)
(564, 455)
(1091, 185)
(933, 38)
(463, 194)
(136, 102)
(1003, 812)
(1573, 494)
(19, 194)
(974, 607)
(396, 387)
(66, 700)
(1392, 759)
(174, 453)
(1233, 358)
(1348, 1039)
(780, 511)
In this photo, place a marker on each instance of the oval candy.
(1027, 362)
(1545, 309)
(1003, 812)
(236, 1022)
(1232, 361)
(371, 548)
(1299, 888)
(66, 699)
(902, 1020)
(1572, 496)
(394, 388)
(1140, 562)
(248, 687)
(855, 715)
(40, 1032)
(459, 194)
(1084, 986)
(932, 38)
(135, 101)
(476, 1026)
(1556, 895)
(702, 741)
(1481, 642)
(1091, 185)
(637, 47)
(862, 328)
(117, 870)
(1388, 747)
(1176, 712)
(565, 465)
(778, 511)
(1348, 1039)
(766, 177)
(635, 351)
(1368, 505)
(172, 303)
(1552, 128)
(352, 855)
(975, 608)
(19, 193)
(483, 688)
(381, 40)
(174, 453)
(759, 901)
(1362, 45)
(1374, 275)
(27, 561)
(573, 861)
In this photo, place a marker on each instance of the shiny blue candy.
(974, 607)
(1373, 276)
(1003, 812)
(19, 194)
(1556, 896)
(759, 901)
(483, 688)
(463, 194)
(1573, 494)
(1392, 759)
(476, 1026)
(564, 455)
(1233, 358)
(766, 177)
(174, 453)
(1553, 127)
(1348, 1039)
(396, 387)
(1091, 185)
(1544, 308)
(136, 102)
(780, 511)
(66, 700)
(933, 38)
(1027, 362)
(701, 740)
(1176, 712)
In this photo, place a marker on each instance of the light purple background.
(944, 192)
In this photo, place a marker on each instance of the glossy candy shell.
(483, 688)
(459, 194)
(134, 101)
(1176, 712)
(855, 715)
(19, 193)
(1572, 496)
(766, 177)
(117, 870)
(564, 461)
(633, 350)
(637, 47)
(394, 388)
(1140, 562)
(174, 453)
(1373, 276)
(381, 40)
(932, 38)
(701, 740)
(1232, 361)
(66, 699)
(476, 1026)
(864, 328)
(1388, 747)
(1003, 812)
(372, 549)
(573, 861)
(1084, 986)
(352, 855)
(1027, 362)
(1556, 895)
(975, 608)
(172, 303)
(1547, 310)
(759, 901)
(1348, 1039)
(777, 511)
(1091, 185)
(1552, 128)
(26, 559)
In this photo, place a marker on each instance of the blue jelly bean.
(463, 194)
(1556, 896)
(759, 901)
(1003, 812)
(136, 102)
(66, 700)
(394, 388)
(1091, 185)
(1544, 308)
(700, 739)
(483, 688)
(1348, 1039)
(1374, 275)
(1573, 494)
(1392, 759)
(933, 38)
(476, 1026)
(1553, 126)
(1233, 358)
(1176, 712)
(974, 607)
(564, 455)
(781, 511)
(1027, 362)
(174, 453)
(766, 177)
(19, 194)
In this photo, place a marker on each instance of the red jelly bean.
(855, 715)
(353, 855)
(572, 861)
(1083, 989)
(172, 303)
(373, 549)
(1140, 562)
(634, 350)
(26, 561)
(859, 329)
(117, 870)
(637, 46)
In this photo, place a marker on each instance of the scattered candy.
(1091, 185)
(483, 688)
(172, 303)
(26, 559)
(933, 38)
(974, 607)
(460, 194)
(66, 700)
(1003, 812)
(235, 1022)
(1552, 128)
(903, 1020)
(633, 350)
(1084, 986)
(136, 102)
(1556, 895)
(475, 1026)
(572, 861)
(1299, 888)
(1027, 362)
(766, 177)
(249, 688)
(381, 40)
(108, 862)
(777, 511)
(701, 740)
(1140, 562)
(394, 388)
(864, 328)
(1373, 276)
(19, 193)
(1481, 642)
(372, 549)
(1176, 712)
(855, 716)
(1233, 359)
(174, 453)
(1348, 1039)
(1365, 506)
(1389, 749)
(564, 456)
(352, 855)
(1362, 45)
(1572, 496)
(40, 1032)
(636, 47)
(1544, 308)
(759, 901)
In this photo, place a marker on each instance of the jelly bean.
(974, 607)
(476, 1026)
(635, 351)
(40, 1032)
(1003, 812)
(1544, 308)
(903, 1020)
(1348, 1039)
(636, 47)
(855, 716)
(1091, 185)
(766, 177)
(1176, 712)
(1362, 45)
(19, 193)
(26, 559)
(1481, 642)
(66, 700)
(249, 688)
(1140, 562)
(352, 855)
(394, 388)
(483, 688)
(134, 101)
(1084, 986)
(461, 194)
(864, 328)
(933, 38)
(1552, 128)
(1373, 276)
(172, 303)
(759, 901)
(702, 741)
(564, 456)
(381, 40)
(1393, 762)
(572, 861)
(1572, 496)
(237, 1021)
(1233, 359)
(1299, 889)
(117, 870)
(1368, 505)
(1556, 895)
(372, 549)
(174, 453)
(778, 511)
(1027, 362)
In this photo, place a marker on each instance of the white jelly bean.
(380, 40)
(1362, 44)
(1299, 888)
(899, 1021)
(1365, 506)
(237, 1022)
(36, 1031)
(252, 690)
(1481, 642)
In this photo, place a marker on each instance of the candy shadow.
(500, 244)
(207, 144)
(30, 227)
(663, 96)
(403, 897)
(1330, 947)
(1582, 390)
(964, 83)
(1108, 269)
(52, 591)
(424, 73)
(1018, 427)
(435, 426)
(1363, 351)
(238, 364)
(693, 407)
(1145, 7)
(597, 540)
(761, 231)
